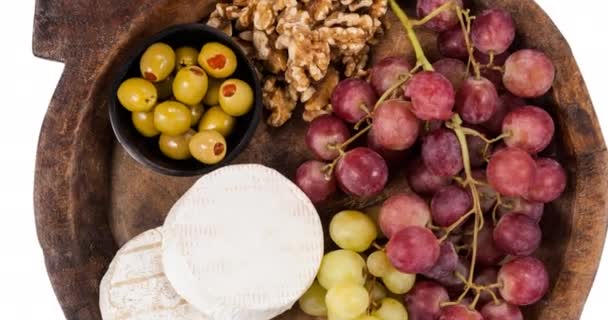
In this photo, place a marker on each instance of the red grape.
(432, 96)
(450, 280)
(423, 181)
(392, 157)
(351, 98)
(362, 172)
(487, 195)
(534, 210)
(501, 311)
(441, 153)
(495, 76)
(453, 69)
(449, 204)
(452, 44)
(517, 234)
(487, 252)
(413, 249)
(387, 72)
(549, 181)
(315, 184)
(511, 171)
(424, 300)
(403, 210)
(476, 148)
(531, 129)
(395, 127)
(528, 73)
(506, 102)
(323, 133)
(459, 312)
(524, 281)
(476, 100)
(493, 31)
(444, 21)
(486, 277)
(446, 263)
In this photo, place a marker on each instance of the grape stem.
(328, 169)
(409, 27)
(465, 19)
(446, 6)
(455, 225)
(498, 204)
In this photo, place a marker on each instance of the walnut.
(378, 8)
(278, 101)
(261, 42)
(354, 66)
(263, 16)
(318, 104)
(277, 61)
(364, 22)
(319, 9)
(354, 6)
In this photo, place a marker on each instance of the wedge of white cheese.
(244, 243)
(135, 287)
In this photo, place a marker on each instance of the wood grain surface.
(90, 197)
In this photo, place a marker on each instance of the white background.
(27, 84)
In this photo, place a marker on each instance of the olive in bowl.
(166, 110)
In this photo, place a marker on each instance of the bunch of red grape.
(471, 222)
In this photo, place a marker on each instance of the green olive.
(190, 85)
(217, 59)
(216, 119)
(176, 147)
(236, 97)
(157, 62)
(208, 147)
(212, 98)
(185, 56)
(164, 88)
(137, 94)
(144, 123)
(196, 111)
(172, 118)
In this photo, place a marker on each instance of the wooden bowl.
(146, 150)
(91, 197)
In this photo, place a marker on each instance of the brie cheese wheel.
(135, 287)
(244, 243)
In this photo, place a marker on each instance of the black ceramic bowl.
(146, 150)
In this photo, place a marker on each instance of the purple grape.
(511, 171)
(403, 210)
(487, 252)
(459, 312)
(446, 263)
(493, 31)
(476, 100)
(528, 73)
(452, 44)
(413, 249)
(534, 210)
(315, 184)
(395, 127)
(432, 96)
(450, 280)
(351, 98)
(323, 133)
(444, 21)
(524, 281)
(517, 234)
(486, 277)
(441, 153)
(487, 195)
(549, 181)
(424, 300)
(501, 311)
(531, 129)
(453, 69)
(387, 72)
(362, 172)
(392, 157)
(449, 204)
(506, 102)
(423, 181)
(476, 151)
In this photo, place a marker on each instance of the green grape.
(331, 316)
(398, 282)
(378, 264)
(378, 291)
(374, 212)
(347, 300)
(390, 309)
(313, 301)
(341, 266)
(368, 317)
(352, 230)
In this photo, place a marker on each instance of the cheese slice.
(244, 243)
(135, 287)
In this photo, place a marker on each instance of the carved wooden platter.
(90, 197)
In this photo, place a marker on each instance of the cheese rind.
(243, 243)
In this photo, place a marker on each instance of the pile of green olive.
(169, 99)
